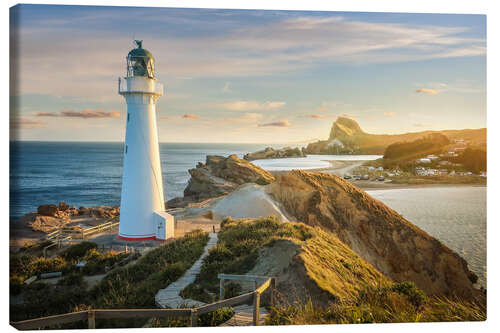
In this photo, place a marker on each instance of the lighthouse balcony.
(139, 84)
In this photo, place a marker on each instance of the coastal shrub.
(77, 251)
(72, 279)
(124, 287)
(416, 296)
(15, 284)
(194, 291)
(47, 265)
(216, 317)
(137, 284)
(96, 261)
(20, 264)
(231, 290)
(41, 299)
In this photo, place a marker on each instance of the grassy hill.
(320, 279)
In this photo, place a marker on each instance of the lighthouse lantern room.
(142, 207)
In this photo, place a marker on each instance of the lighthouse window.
(126, 148)
(128, 117)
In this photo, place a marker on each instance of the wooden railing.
(91, 315)
(98, 228)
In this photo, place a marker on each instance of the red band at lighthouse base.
(145, 237)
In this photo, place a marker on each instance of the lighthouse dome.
(140, 62)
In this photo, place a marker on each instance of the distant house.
(432, 157)
(483, 174)
(370, 168)
(380, 169)
(424, 161)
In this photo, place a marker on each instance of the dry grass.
(383, 304)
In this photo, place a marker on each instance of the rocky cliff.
(377, 233)
(270, 152)
(220, 175)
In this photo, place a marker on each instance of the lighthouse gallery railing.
(125, 87)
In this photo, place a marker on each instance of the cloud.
(419, 125)
(322, 109)
(276, 44)
(349, 115)
(316, 116)
(281, 123)
(427, 91)
(460, 86)
(227, 87)
(389, 114)
(87, 113)
(252, 105)
(25, 123)
(190, 116)
(245, 118)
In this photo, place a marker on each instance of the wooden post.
(273, 290)
(194, 318)
(221, 289)
(91, 319)
(256, 309)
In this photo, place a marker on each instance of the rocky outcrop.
(377, 233)
(50, 217)
(270, 152)
(220, 175)
(48, 210)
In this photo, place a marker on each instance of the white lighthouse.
(142, 208)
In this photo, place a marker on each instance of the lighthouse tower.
(142, 208)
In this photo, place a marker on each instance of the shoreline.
(341, 167)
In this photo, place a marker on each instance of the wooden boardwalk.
(243, 316)
(169, 297)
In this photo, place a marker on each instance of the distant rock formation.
(221, 175)
(270, 152)
(377, 233)
(347, 137)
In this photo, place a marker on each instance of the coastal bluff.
(221, 175)
(378, 234)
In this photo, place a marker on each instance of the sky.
(256, 76)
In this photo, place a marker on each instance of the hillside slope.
(308, 262)
(377, 233)
(347, 137)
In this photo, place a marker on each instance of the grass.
(237, 249)
(132, 286)
(328, 262)
(394, 303)
(359, 293)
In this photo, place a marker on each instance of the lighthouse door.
(164, 225)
